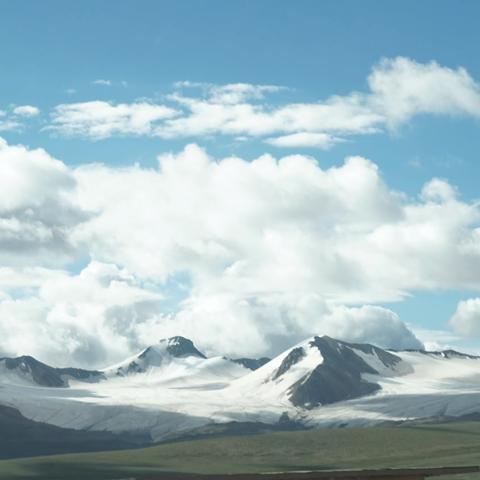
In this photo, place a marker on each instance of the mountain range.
(171, 390)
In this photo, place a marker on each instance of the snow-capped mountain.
(159, 355)
(323, 370)
(175, 362)
(26, 370)
(172, 388)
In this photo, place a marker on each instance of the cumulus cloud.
(104, 314)
(26, 111)
(89, 319)
(281, 225)
(466, 319)
(37, 213)
(371, 324)
(274, 250)
(399, 89)
(264, 224)
(441, 339)
(270, 323)
(26, 278)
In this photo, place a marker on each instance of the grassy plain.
(408, 446)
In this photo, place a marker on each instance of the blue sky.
(319, 49)
(55, 52)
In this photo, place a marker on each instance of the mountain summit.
(322, 371)
(181, 347)
(341, 373)
(157, 355)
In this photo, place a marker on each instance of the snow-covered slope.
(172, 387)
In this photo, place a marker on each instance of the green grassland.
(408, 446)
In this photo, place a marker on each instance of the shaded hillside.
(21, 437)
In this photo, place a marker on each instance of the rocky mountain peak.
(179, 346)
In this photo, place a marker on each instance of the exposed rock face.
(181, 347)
(292, 358)
(251, 363)
(339, 376)
(38, 372)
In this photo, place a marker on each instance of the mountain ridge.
(172, 388)
(42, 374)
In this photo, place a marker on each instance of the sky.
(246, 174)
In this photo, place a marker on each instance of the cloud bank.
(261, 253)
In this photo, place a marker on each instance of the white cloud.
(26, 278)
(239, 92)
(281, 225)
(10, 120)
(103, 314)
(226, 216)
(231, 93)
(466, 319)
(322, 141)
(270, 323)
(89, 319)
(7, 124)
(399, 89)
(37, 213)
(438, 190)
(437, 340)
(26, 111)
(103, 82)
(109, 83)
(274, 250)
(371, 324)
(347, 115)
(98, 119)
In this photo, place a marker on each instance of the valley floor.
(431, 445)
